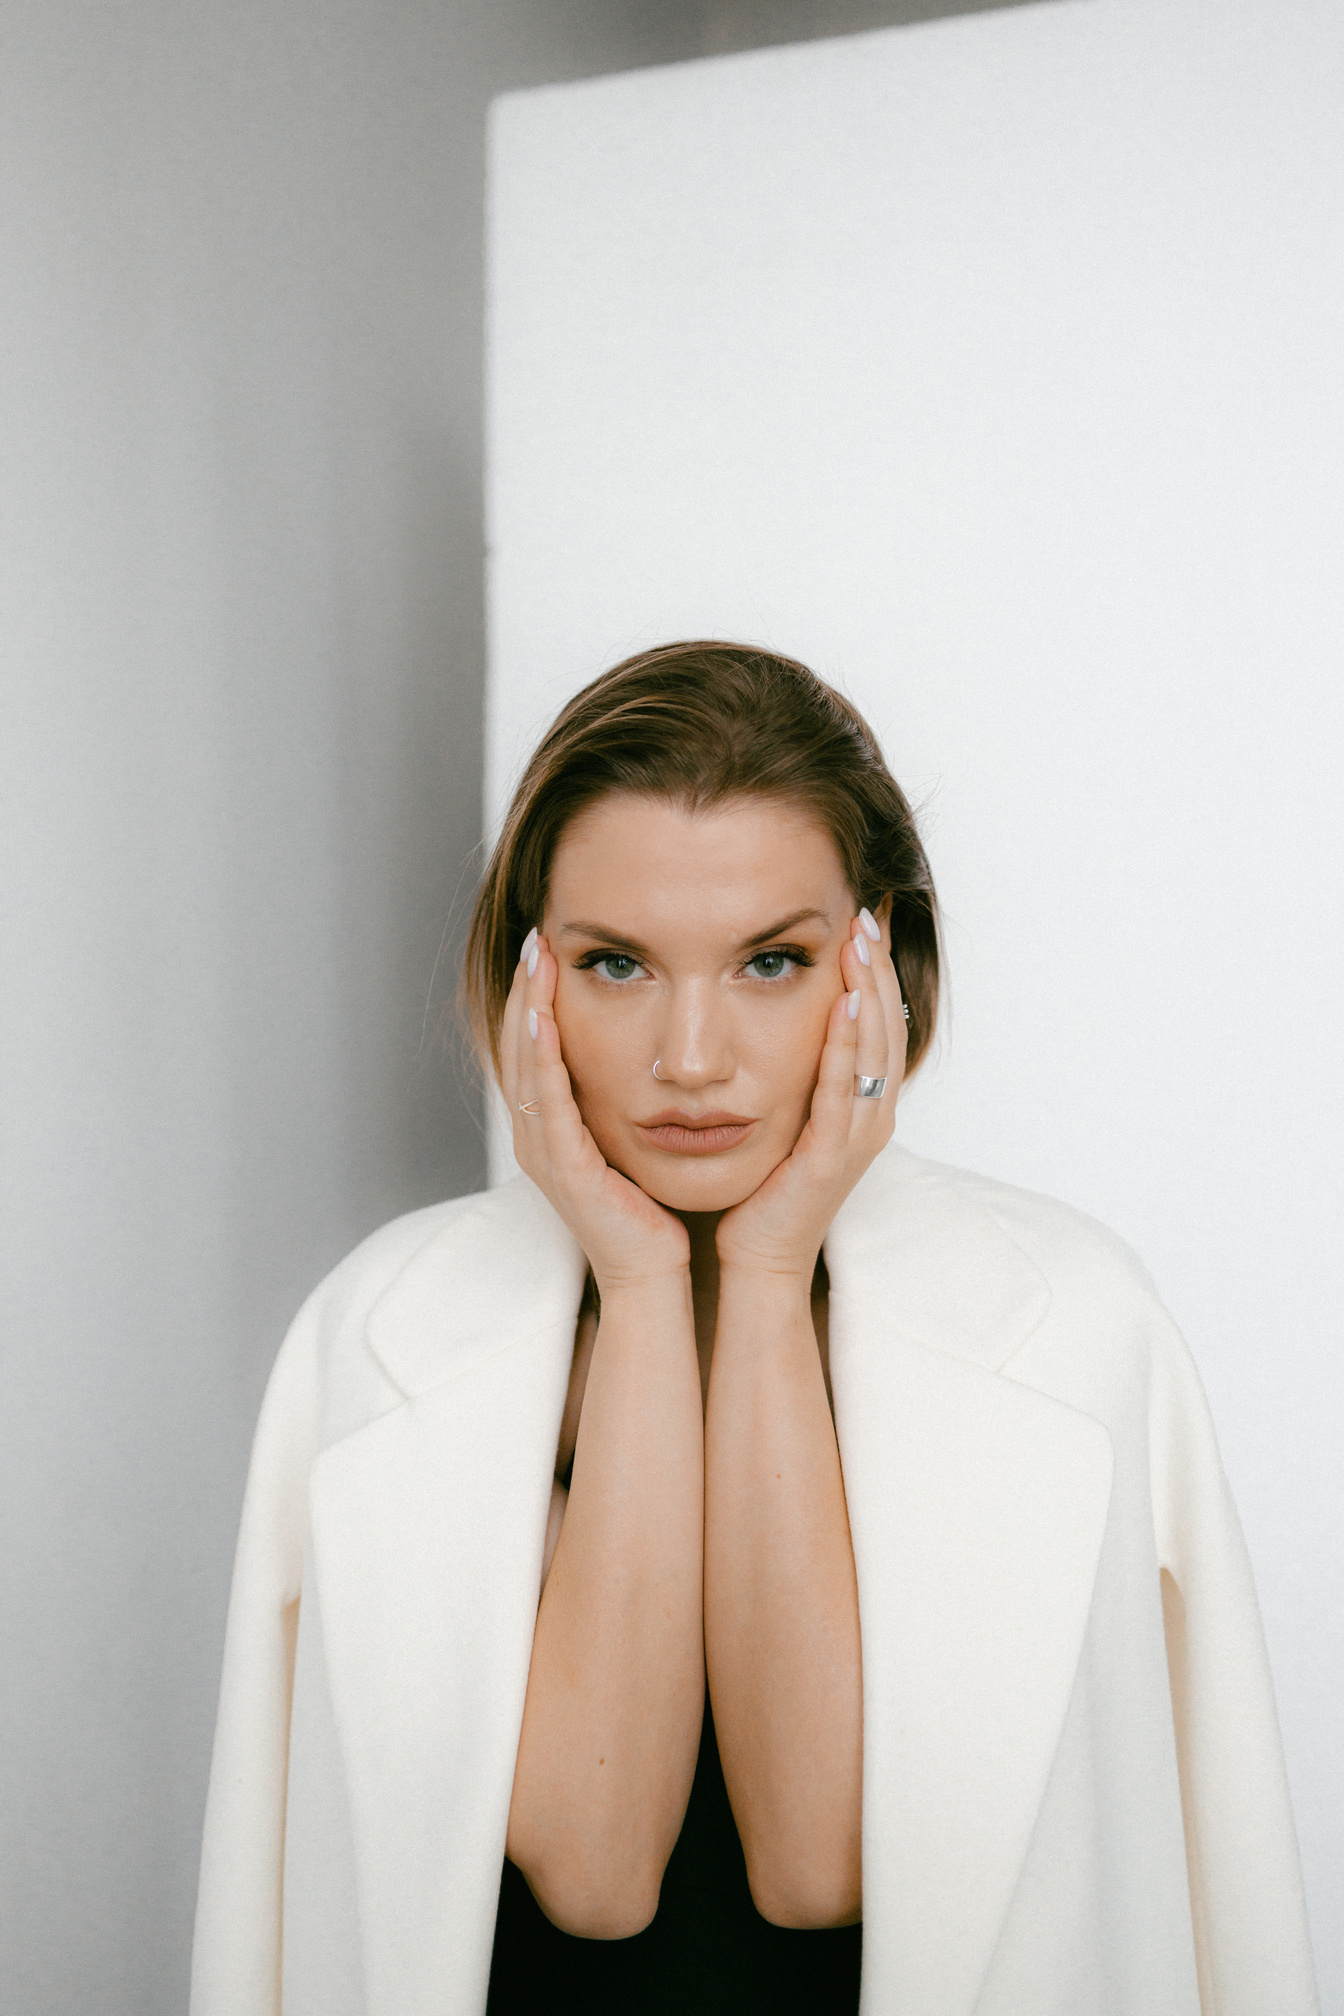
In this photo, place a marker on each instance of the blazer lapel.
(977, 1507)
(428, 1527)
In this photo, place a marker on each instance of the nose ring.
(656, 1062)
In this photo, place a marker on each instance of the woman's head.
(724, 813)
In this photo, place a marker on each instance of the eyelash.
(791, 952)
(589, 961)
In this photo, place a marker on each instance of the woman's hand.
(780, 1227)
(628, 1238)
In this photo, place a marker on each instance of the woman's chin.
(696, 1183)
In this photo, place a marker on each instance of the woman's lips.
(696, 1133)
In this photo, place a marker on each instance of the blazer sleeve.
(236, 1954)
(1251, 1938)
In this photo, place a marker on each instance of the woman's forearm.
(616, 1685)
(781, 1606)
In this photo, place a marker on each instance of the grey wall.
(241, 653)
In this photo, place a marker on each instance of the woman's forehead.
(740, 865)
(749, 829)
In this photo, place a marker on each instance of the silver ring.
(530, 1106)
(869, 1088)
(656, 1062)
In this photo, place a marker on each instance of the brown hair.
(697, 724)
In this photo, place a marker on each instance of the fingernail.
(528, 942)
(870, 925)
(861, 947)
(853, 1006)
(532, 1023)
(532, 959)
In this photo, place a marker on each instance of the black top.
(707, 1951)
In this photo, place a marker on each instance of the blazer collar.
(976, 1503)
(508, 1266)
(928, 1261)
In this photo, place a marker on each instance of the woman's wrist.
(764, 1312)
(645, 1293)
(779, 1277)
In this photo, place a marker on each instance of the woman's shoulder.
(1007, 1275)
(923, 1198)
(359, 1279)
(402, 1307)
(985, 1266)
(325, 1352)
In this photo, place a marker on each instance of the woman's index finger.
(509, 1030)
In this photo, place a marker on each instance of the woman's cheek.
(576, 1047)
(804, 1041)
(574, 1021)
(593, 1060)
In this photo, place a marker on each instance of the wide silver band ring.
(530, 1106)
(869, 1088)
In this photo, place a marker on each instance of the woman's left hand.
(780, 1227)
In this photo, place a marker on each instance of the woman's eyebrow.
(789, 923)
(602, 934)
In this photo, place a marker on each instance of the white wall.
(992, 366)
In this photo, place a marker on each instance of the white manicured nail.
(528, 942)
(532, 1023)
(861, 947)
(870, 925)
(854, 1006)
(532, 959)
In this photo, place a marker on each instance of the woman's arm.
(616, 1686)
(615, 1690)
(235, 1968)
(1252, 1940)
(781, 1605)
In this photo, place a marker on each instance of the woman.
(735, 1528)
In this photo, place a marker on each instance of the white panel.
(993, 367)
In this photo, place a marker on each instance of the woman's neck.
(702, 1227)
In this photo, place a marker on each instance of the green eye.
(616, 966)
(770, 965)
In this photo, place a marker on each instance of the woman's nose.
(696, 1047)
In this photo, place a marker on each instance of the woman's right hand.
(629, 1240)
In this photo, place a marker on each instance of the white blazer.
(1074, 1800)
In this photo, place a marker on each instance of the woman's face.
(708, 942)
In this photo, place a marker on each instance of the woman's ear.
(883, 916)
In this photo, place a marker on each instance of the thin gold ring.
(530, 1106)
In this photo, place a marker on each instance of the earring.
(656, 1062)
